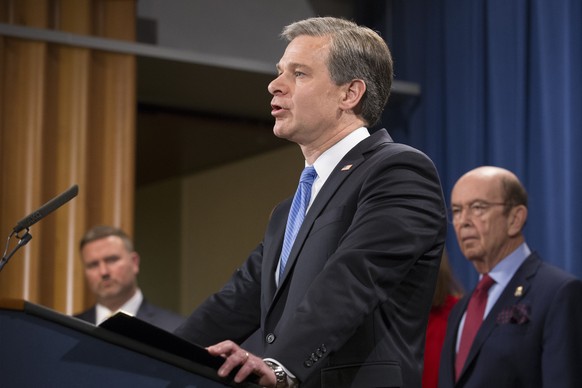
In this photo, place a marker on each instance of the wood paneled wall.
(67, 116)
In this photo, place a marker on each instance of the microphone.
(46, 209)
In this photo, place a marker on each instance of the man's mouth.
(275, 109)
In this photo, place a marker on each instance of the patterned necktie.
(473, 320)
(297, 214)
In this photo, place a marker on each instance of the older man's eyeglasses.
(474, 209)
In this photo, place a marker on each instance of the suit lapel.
(144, 311)
(349, 163)
(337, 177)
(92, 315)
(272, 251)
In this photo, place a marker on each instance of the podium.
(40, 347)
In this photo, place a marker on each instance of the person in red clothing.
(448, 291)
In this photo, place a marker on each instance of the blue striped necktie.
(297, 214)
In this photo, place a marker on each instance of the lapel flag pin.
(518, 291)
(347, 167)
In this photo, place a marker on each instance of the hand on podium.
(248, 364)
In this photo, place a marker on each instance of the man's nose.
(103, 269)
(465, 216)
(275, 86)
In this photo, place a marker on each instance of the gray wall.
(234, 29)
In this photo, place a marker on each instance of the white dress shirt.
(130, 308)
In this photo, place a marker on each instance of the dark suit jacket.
(528, 339)
(157, 316)
(352, 307)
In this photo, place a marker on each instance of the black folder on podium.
(40, 347)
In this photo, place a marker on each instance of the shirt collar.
(130, 308)
(506, 268)
(325, 164)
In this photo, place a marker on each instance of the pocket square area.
(516, 314)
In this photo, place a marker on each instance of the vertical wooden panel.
(64, 165)
(115, 19)
(112, 140)
(31, 13)
(66, 120)
(23, 83)
(67, 115)
(74, 16)
(5, 11)
(2, 61)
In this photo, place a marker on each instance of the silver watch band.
(280, 375)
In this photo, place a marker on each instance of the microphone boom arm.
(33, 218)
(22, 242)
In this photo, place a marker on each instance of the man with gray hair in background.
(520, 327)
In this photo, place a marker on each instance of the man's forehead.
(473, 188)
(105, 244)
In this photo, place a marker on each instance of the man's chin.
(472, 255)
(109, 293)
(278, 132)
(283, 130)
(470, 248)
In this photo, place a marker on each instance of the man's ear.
(135, 259)
(516, 220)
(354, 91)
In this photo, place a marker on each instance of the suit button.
(270, 338)
(308, 363)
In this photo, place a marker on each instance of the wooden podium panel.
(40, 347)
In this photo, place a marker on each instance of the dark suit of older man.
(531, 338)
(528, 334)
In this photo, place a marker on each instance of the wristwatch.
(280, 375)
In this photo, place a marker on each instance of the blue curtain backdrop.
(501, 85)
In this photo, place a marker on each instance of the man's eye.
(479, 208)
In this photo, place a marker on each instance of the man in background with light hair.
(111, 266)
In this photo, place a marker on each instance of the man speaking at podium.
(339, 291)
(111, 266)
